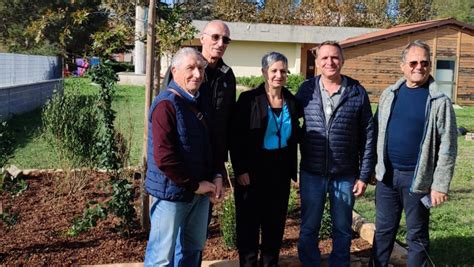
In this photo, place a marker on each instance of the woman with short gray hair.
(263, 153)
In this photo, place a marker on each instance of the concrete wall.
(24, 98)
(26, 82)
(245, 57)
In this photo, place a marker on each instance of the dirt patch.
(45, 214)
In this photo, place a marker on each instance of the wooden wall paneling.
(458, 58)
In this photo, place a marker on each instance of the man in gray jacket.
(416, 153)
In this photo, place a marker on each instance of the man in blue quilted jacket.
(337, 154)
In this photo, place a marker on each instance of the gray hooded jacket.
(435, 166)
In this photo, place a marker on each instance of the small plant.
(9, 219)
(72, 182)
(14, 186)
(89, 219)
(120, 205)
(292, 200)
(326, 224)
(228, 221)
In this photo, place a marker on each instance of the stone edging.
(366, 231)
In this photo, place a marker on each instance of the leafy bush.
(292, 201)
(120, 205)
(8, 218)
(14, 186)
(6, 143)
(250, 82)
(120, 66)
(89, 219)
(293, 83)
(70, 124)
(228, 221)
(106, 78)
(326, 224)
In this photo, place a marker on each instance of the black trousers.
(261, 209)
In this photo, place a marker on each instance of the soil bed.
(46, 213)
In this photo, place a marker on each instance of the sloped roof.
(404, 29)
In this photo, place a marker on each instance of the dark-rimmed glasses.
(423, 63)
(215, 37)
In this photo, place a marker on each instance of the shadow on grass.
(24, 128)
(452, 251)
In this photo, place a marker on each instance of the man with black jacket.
(220, 87)
(337, 154)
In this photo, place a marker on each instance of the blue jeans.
(392, 196)
(178, 232)
(313, 190)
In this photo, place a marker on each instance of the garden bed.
(46, 210)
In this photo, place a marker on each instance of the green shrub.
(110, 156)
(293, 83)
(120, 205)
(6, 143)
(292, 200)
(9, 218)
(228, 221)
(250, 82)
(71, 124)
(326, 225)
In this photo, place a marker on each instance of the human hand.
(206, 188)
(219, 194)
(359, 188)
(243, 179)
(438, 197)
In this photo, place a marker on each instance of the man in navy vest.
(180, 173)
(416, 154)
(337, 154)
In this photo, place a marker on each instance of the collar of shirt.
(339, 91)
(184, 93)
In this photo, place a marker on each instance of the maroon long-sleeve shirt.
(165, 142)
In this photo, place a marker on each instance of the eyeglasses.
(423, 63)
(215, 37)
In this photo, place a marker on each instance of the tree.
(462, 10)
(235, 11)
(277, 12)
(50, 27)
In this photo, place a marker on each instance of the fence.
(27, 81)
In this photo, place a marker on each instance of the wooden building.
(374, 58)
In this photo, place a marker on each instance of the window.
(445, 75)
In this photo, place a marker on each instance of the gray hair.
(272, 57)
(184, 52)
(417, 43)
(331, 43)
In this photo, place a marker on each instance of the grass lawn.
(452, 224)
(32, 151)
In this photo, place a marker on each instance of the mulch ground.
(47, 209)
